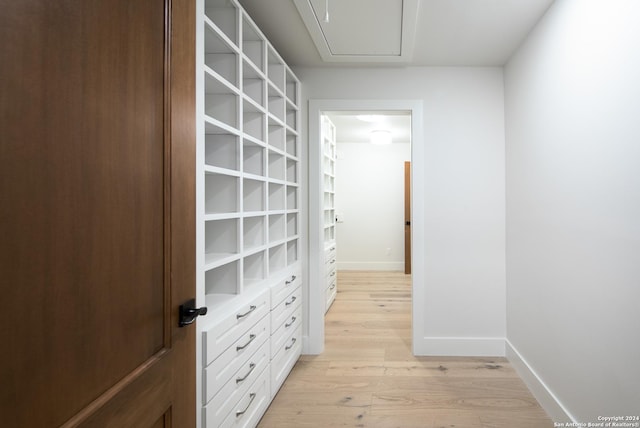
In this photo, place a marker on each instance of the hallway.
(367, 377)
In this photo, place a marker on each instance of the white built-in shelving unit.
(329, 209)
(249, 250)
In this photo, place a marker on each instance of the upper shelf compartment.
(253, 43)
(225, 16)
(276, 70)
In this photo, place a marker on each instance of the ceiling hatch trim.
(384, 30)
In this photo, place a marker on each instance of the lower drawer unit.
(285, 359)
(227, 398)
(282, 334)
(248, 411)
(330, 294)
(224, 367)
(234, 323)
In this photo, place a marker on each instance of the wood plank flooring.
(367, 376)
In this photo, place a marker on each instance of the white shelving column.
(249, 252)
(329, 209)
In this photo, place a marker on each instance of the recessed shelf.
(292, 171)
(292, 197)
(277, 228)
(253, 232)
(220, 194)
(253, 158)
(253, 118)
(254, 268)
(252, 42)
(292, 251)
(221, 150)
(277, 258)
(292, 144)
(328, 200)
(276, 166)
(253, 195)
(292, 118)
(329, 217)
(276, 197)
(276, 70)
(253, 84)
(222, 106)
(276, 103)
(292, 88)
(214, 126)
(221, 237)
(292, 225)
(223, 279)
(276, 137)
(224, 15)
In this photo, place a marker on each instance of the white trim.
(547, 399)
(314, 343)
(386, 266)
(460, 346)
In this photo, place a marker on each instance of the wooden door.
(97, 149)
(407, 217)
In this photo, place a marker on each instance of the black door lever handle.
(188, 312)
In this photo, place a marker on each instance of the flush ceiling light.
(380, 137)
(368, 117)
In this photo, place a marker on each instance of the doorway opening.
(406, 116)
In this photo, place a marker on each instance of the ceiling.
(351, 129)
(446, 32)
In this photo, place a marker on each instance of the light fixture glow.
(368, 117)
(380, 137)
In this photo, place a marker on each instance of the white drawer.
(248, 411)
(236, 355)
(330, 252)
(226, 330)
(283, 333)
(283, 287)
(330, 258)
(331, 273)
(330, 294)
(283, 311)
(237, 387)
(285, 359)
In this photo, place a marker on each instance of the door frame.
(314, 316)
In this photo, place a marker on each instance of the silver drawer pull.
(332, 261)
(251, 309)
(293, 278)
(293, 341)
(242, 412)
(293, 299)
(332, 286)
(243, 378)
(251, 337)
(332, 248)
(333, 274)
(293, 319)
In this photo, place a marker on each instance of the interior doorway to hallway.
(342, 112)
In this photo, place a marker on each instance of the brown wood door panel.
(97, 187)
(407, 217)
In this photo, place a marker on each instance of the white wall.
(463, 308)
(370, 199)
(573, 208)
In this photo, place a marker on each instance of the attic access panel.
(361, 30)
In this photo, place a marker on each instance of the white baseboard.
(460, 346)
(386, 266)
(547, 399)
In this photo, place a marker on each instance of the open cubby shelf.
(249, 221)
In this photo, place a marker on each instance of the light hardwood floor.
(367, 376)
